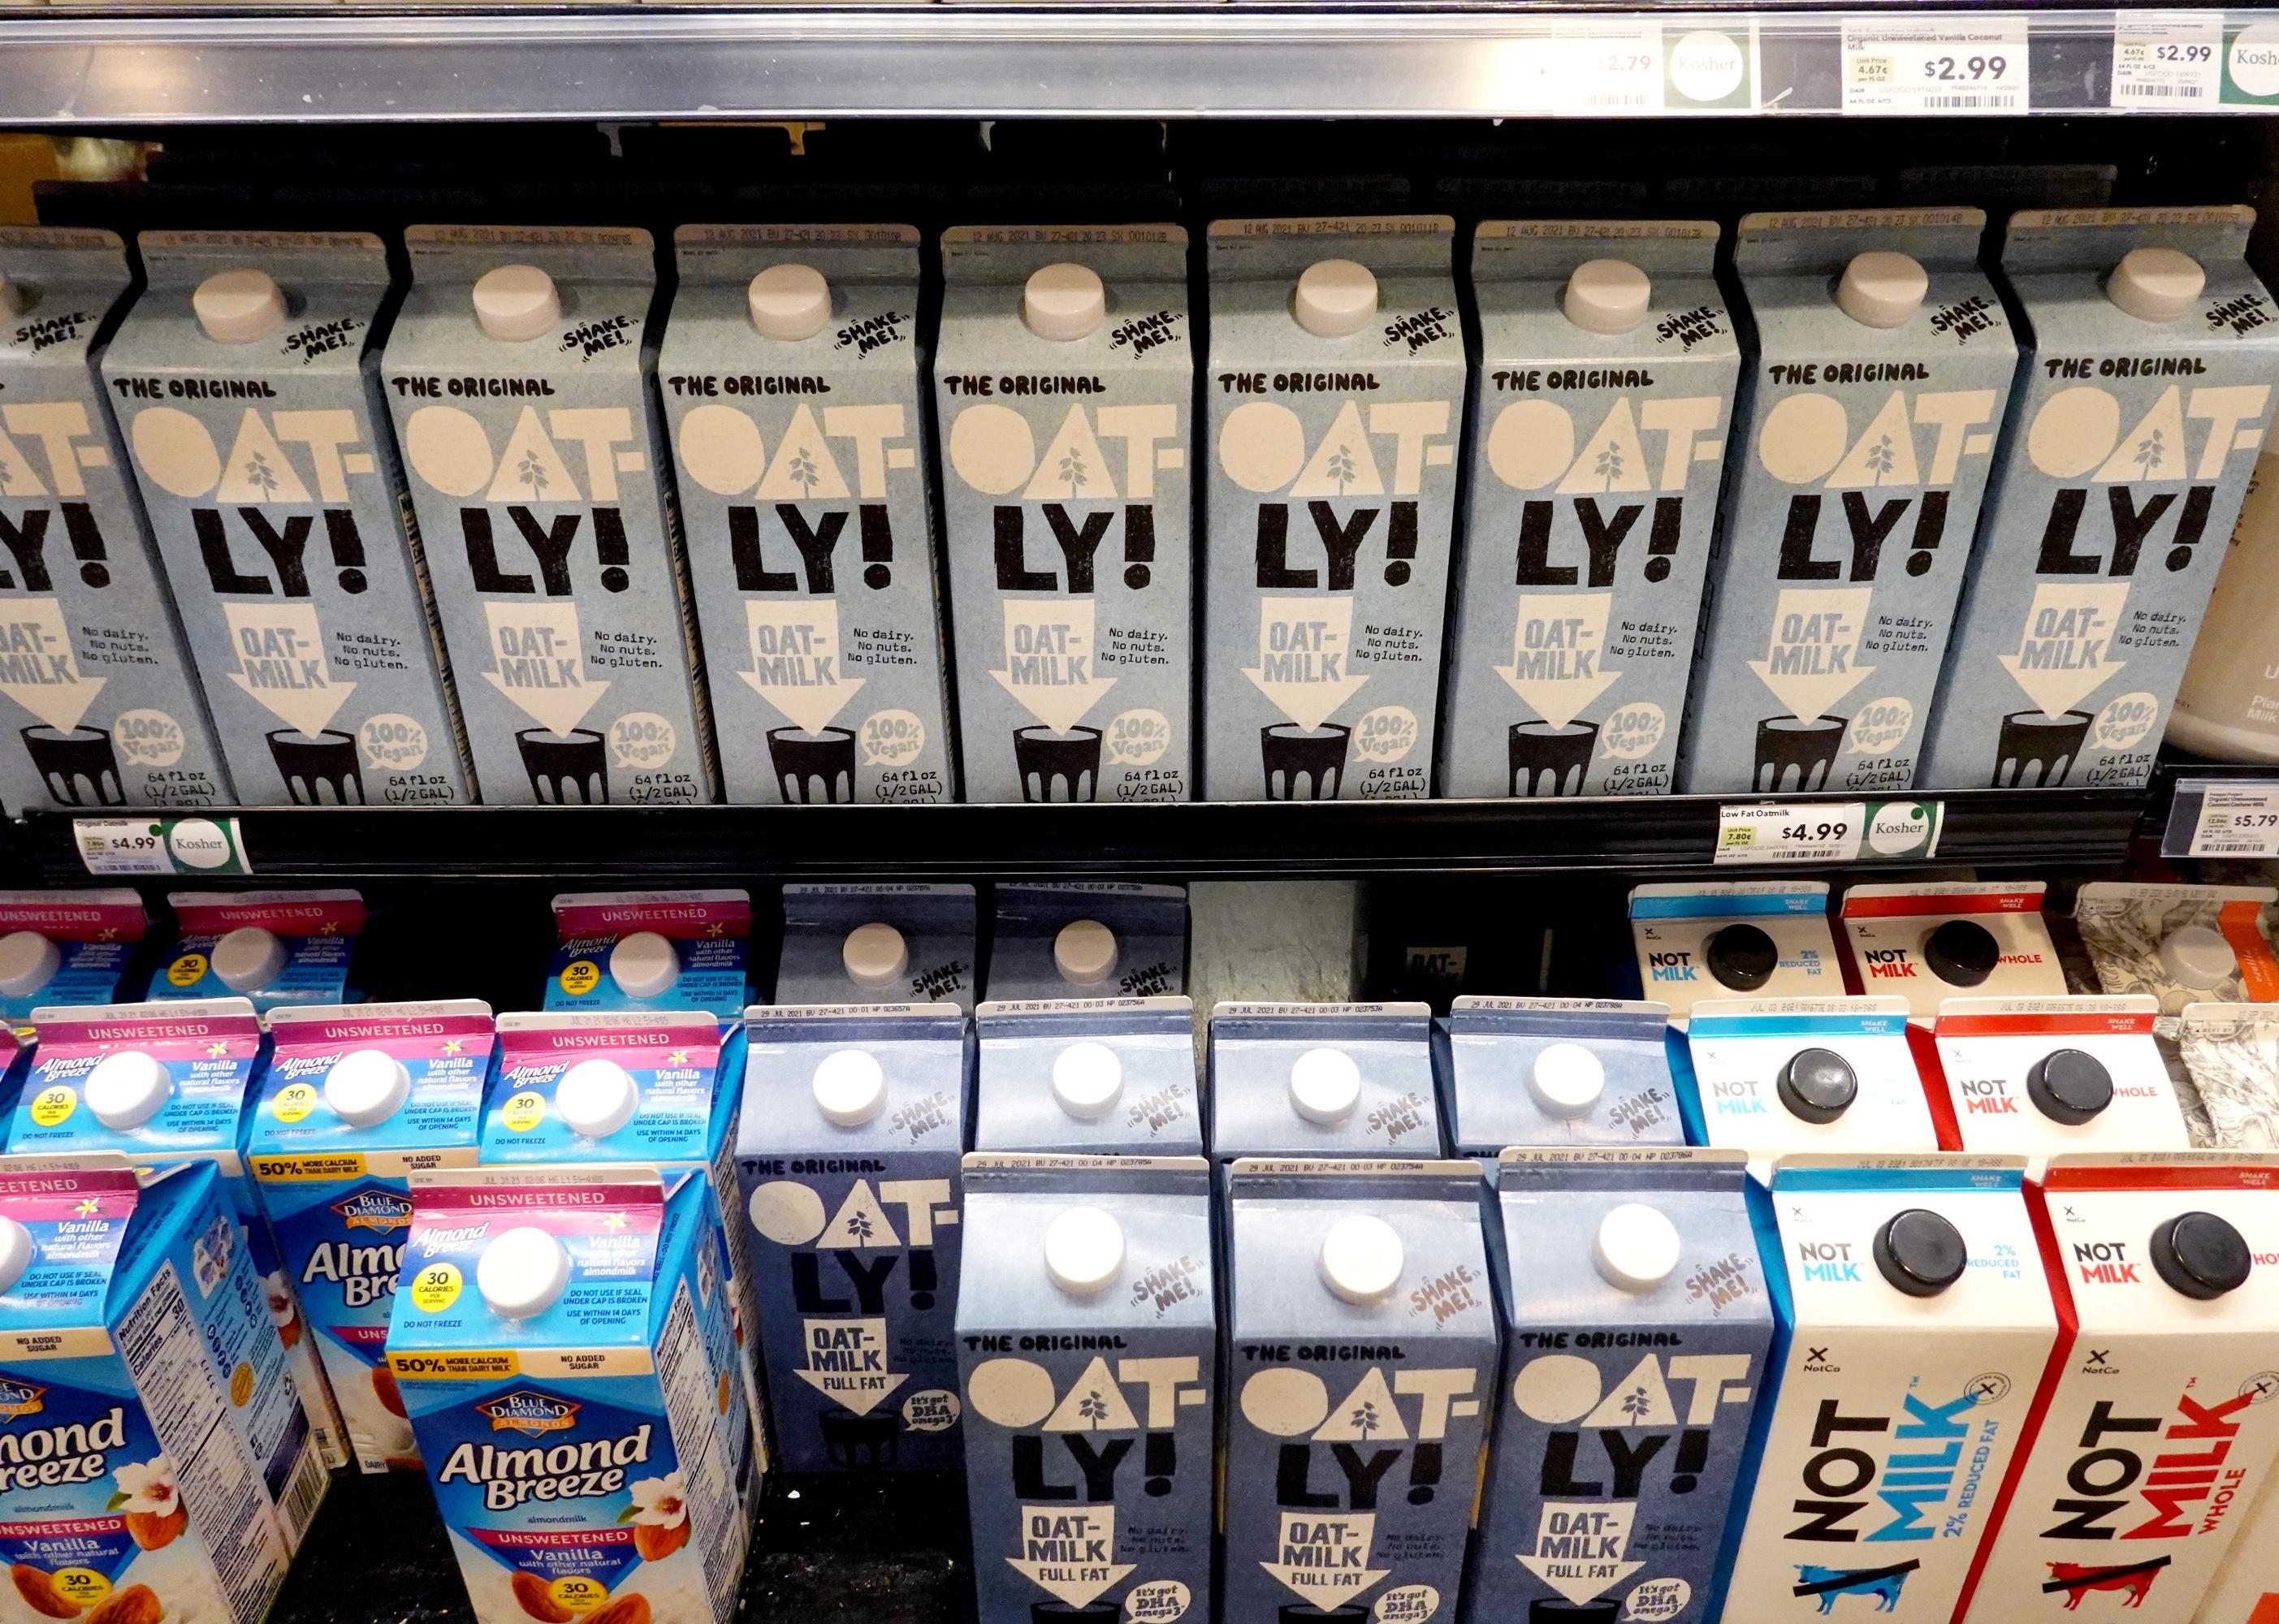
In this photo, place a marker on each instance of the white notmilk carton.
(1771, 1076)
(1727, 939)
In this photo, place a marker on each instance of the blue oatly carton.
(886, 944)
(1323, 1080)
(1088, 939)
(1550, 1071)
(1087, 1350)
(1088, 1074)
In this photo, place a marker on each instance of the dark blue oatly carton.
(1361, 1367)
(1088, 1074)
(888, 944)
(1087, 1346)
(846, 1155)
(1323, 1080)
(1088, 939)
(1556, 1071)
(1637, 1328)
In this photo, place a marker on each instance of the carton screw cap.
(1881, 288)
(366, 1087)
(1336, 298)
(248, 959)
(1084, 952)
(1636, 1247)
(644, 965)
(1920, 1252)
(1962, 953)
(1566, 1079)
(1064, 302)
(515, 304)
(2197, 956)
(126, 1089)
(2069, 1086)
(2201, 1255)
(1087, 1080)
(875, 955)
(1324, 1085)
(238, 307)
(523, 1273)
(2156, 284)
(1742, 957)
(1608, 296)
(1817, 1085)
(1360, 1258)
(789, 303)
(16, 1249)
(1084, 1251)
(851, 1087)
(597, 1098)
(28, 961)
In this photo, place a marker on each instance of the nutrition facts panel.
(693, 1412)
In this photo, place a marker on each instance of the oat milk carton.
(2142, 403)
(1323, 1080)
(66, 946)
(2033, 1077)
(792, 377)
(1088, 939)
(1928, 940)
(1771, 1076)
(1088, 1353)
(1106, 1075)
(1605, 381)
(1065, 383)
(1336, 396)
(1360, 1366)
(1636, 1332)
(246, 381)
(885, 943)
(1866, 425)
(1556, 1071)
(519, 375)
(105, 703)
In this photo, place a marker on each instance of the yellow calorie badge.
(81, 1586)
(241, 1385)
(51, 1106)
(577, 1593)
(294, 1101)
(523, 1111)
(436, 1287)
(187, 970)
(580, 976)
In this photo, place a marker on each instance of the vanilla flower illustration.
(659, 1501)
(149, 1486)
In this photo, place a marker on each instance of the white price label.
(1613, 70)
(160, 846)
(1939, 66)
(2237, 820)
(1829, 831)
(2167, 61)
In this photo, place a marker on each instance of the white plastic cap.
(2156, 284)
(1064, 301)
(1336, 298)
(1324, 1085)
(237, 307)
(597, 1098)
(249, 959)
(1360, 1258)
(2197, 956)
(515, 303)
(644, 965)
(1084, 1250)
(28, 961)
(12, 298)
(1087, 1080)
(126, 1088)
(1566, 1079)
(875, 955)
(851, 1087)
(1636, 1247)
(1881, 288)
(1084, 952)
(1608, 295)
(367, 1087)
(524, 1272)
(790, 302)
(16, 1250)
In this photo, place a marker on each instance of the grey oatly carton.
(2154, 351)
(1335, 394)
(246, 381)
(1605, 385)
(519, 373)
(1065, 381)
(1107, 1074)
(1087, 1346)
(1321, 1080)
(790, 374)
(1866, 423)
(104, 710)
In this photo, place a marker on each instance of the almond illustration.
(383, 1383)
(654, 1541)
(631, 1608)
(137, 1603)
(155, 1530)
(530, 1590)
(40, 1593)
(289, 1333)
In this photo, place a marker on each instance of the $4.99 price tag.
(1829, 831)
(160, 846)
(1936, 66)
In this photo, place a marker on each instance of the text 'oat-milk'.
(1635, 1340)
(1336, 399)
(1065, 381)
(1087, 1349)
(2032, 1076)
(1606, 375)
(246, 380)
(1867, 426)
(2142, 403)
(519, 373)
(1088, 939)
(1556, 1071)
(99, 676)
(651, 950)
(1360, 1364)
(1099, 1075)
(1321, 1080)
(793, 381)
(66, 946)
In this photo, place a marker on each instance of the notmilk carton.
(2246, 1588)
(1336, 396)
(1088, 1075)
(1914, 1326)
(1556, 1071)
(2155, 1428)
(1065, 384)
(274, 947)
(1088, 939)
(1603, 389)
(105, 710)
(2032, 1076)
(355, 1099)
(561, 1341)
(849, 1159)
(1636, 1332)
(246, 381)
(1928, 940)
(1321, 1080)
(2231, 1054)
(885, 943)
(651, 950)
(1717, 938)
(1087, 1352)
(1771, 1076)
(791, 377)
(1869, 414)
(518, 374)
(66, 946)
(2153, 349)
(2181, 944)
(1360, 1367)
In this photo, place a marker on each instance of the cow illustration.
(2077, 1581)
(1827, 1583)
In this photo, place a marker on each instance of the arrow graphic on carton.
(846, 1363)
(282, 664)
(1579, 1546)
(1558, 654)
(795, 662)
(541, 662)
(1303, 650)
(1070, 1551)
(37, 669)
(1325, 1556)
(2060, 659)
(1049, 659)
(1812, 659)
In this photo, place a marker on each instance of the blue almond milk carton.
(1868, 421)
(1556, 1071)
(561, 1340)
(275, 948)
(1088, 1354)
(849, 1159)
(1088, 939)
(356, 1098)
(1321, 1080)
(1111, 1075)
(652, 950)
(887, 944)
(1602, 396)
(1636, 1333)
(66, 946)
(1361, 1369)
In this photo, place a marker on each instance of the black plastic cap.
(1818, 1086)
(1962, 953)
(1742, 957)
(1920, 1252)
(2201, 1255)
(2069, 1086)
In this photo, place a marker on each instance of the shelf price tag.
(2167, 61)
(1937, 65)
(1612, 71)
(2215, 818)
(1818, 831)
(207, 845)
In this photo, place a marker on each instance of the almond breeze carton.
(1928, 940)
(1336, 393)
(1556, 1071)
(1088, 1353)
(246, 380)
(1112, 1075)
(1866, 428)
(890, 944)
(519, 373)
(1636, 1333)
(1065, 383)
(1088, 939)
(1604, 386)
(1323, 1080)
(2033, 1077)
(1770, 1076)
(792, 379)
(65, 946)
(99, 677)
(652, 950)
(1360, 1370)
(1714, 939)
(274, 947)
(2143, 399)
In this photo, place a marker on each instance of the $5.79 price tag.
(1936, 66)
(1829, 831)
(2237, 820)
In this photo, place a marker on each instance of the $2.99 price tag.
(1936, 66)
(1828, 831)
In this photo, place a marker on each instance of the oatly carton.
(1088, 1075)
(1335, 393)
(1588, 1071)
(2181, 944)
(1714, 939)
(1928, 940)
(1636, 1333)
(848, 1161)
(355, 1099)
(792, 377)
(1088, 1353)
(2141, 404)
(2231, 1054)
(1603, 390)
(246, 380)
(518, 373)
(66, 946)
(1088, 939)
(1770, 1076)
(2032, 1076)
(1866, 425)
(1321, 1080)
(1361, 1371)
(1065, 383)
(105, 711)
(883, 944)
(651, 950)
(274, 947)
(1915, 1327)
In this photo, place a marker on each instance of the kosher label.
(2167, 61)
(1935, 65)
(1828, 831)
(160, 846)
(2213, 819)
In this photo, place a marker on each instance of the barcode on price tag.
(1829, 831)
(1614, 69)
(2167, 61)
(1937, 65)
(160, 846)
(2237, 820)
